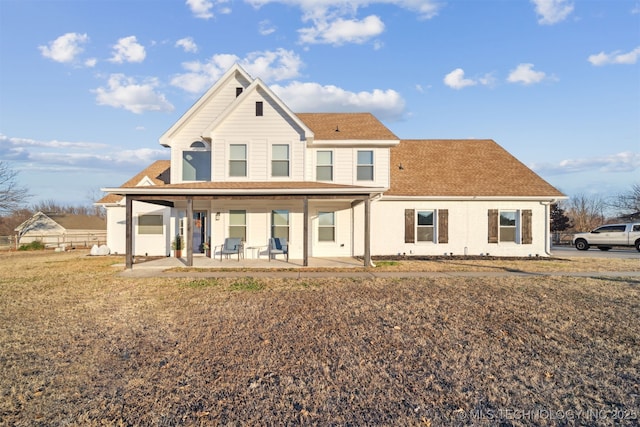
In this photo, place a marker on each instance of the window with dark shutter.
(409, 226)
(527, 234)
(493, 226)
(443, 225)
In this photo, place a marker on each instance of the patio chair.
(231, 245)
(278, 245)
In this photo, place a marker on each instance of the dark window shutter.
(443, 225)
(527, 235)
(409, 226)
(493, 225)
(259, 109)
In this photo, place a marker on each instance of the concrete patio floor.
(201, 261)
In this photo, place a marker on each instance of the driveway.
(570, 251)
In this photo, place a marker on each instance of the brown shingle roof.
(350, 126)
(462, 168)
(79, 222)
(157, 172)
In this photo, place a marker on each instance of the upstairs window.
(259, 109)
(238, 160)
(324, 166)
(365, 165)
(196, 162)
(279, 160)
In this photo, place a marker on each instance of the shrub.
(36, 245)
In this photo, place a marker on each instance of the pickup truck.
(607, 236)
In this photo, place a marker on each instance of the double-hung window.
(150, 224)
(324, 166)
(365, 165)
(238, 224)
(425, 226)
(280, 224)
(326, 226)
(279, 160)
(238, 160)
(508, 226)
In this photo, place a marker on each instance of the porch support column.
(305, 231)
(128, 245)
(367, 232)
(189, 237)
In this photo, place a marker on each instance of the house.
(244, 165)
(59, 229)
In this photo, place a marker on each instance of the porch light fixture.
(217, 216)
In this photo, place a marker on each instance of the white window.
(425, 226)
(508, 226)
(326, 226)
(365, 165)
(196, 162)
(238, 224)
(150, 224)
(279, 160)
(324, 166)
(238, 160)
(280, 224)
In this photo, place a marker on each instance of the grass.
(81, 345)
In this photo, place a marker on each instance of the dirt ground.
(80, 345)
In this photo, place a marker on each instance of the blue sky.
(88, 87)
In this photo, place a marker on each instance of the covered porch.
(304, 237)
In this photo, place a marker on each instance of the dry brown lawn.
(80, 345)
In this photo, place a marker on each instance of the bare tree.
(627, 203)
(586, 212)
(12, 195)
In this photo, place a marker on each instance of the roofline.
(257, 82)
(166, 137)
(240, 191)
(550, 199)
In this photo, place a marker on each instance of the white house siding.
(342, 246)
(149, 244)
(194, 127)
(468, 228)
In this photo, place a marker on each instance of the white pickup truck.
(607, 236)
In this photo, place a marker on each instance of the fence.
(52, 241)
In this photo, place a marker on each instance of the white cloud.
(128, 50)
(552, 11)
(270, 66)
(26, 142)
(336, 21)
(124, 92)
(91, 62)
(313, 97)
(65, 48)
(201, 8)
(615, 57)
(265, 27)
(623, 162)
(342, 31)
(525, 74)
(456, 80)
(187, 44)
